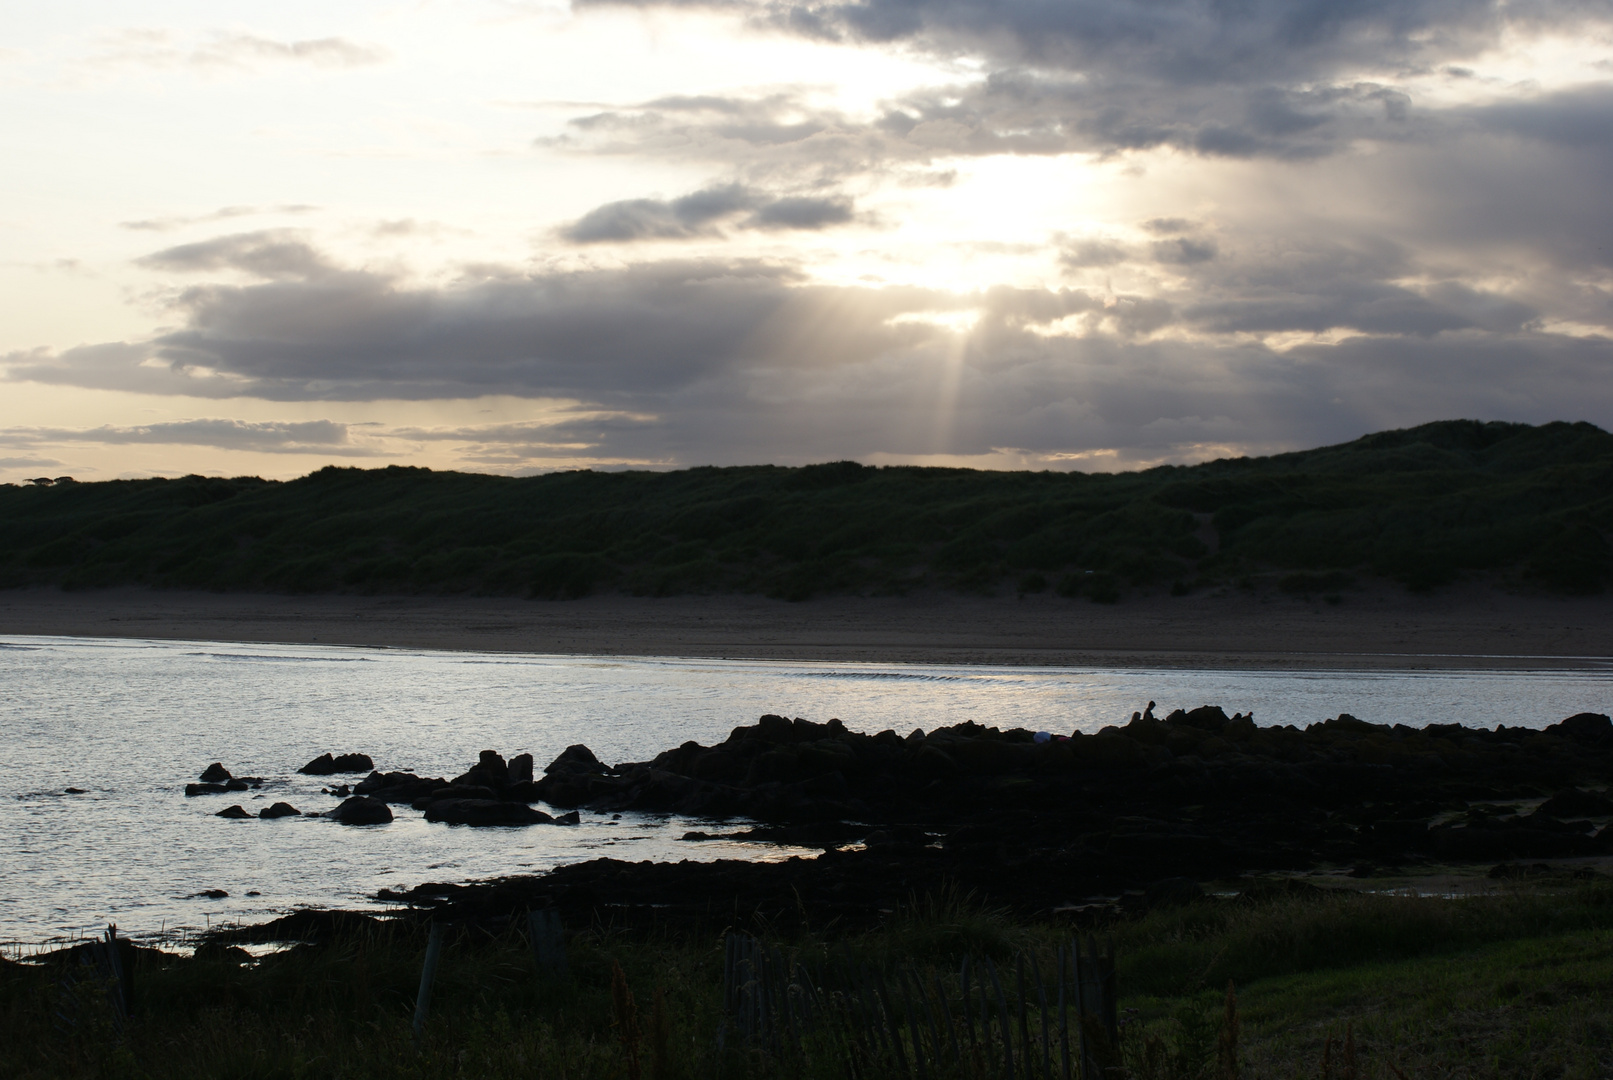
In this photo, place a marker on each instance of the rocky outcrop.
(326, 765)
(398, 787)
(215, 773)
(232, 784)
(1145, 812)
(361, 810)
(233, 812)
(491, 792)
(461, 811)
(279, 810)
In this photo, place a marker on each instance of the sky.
(515, 237)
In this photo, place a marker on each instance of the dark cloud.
(1181, 42)
(728, 361)
(272, 253)
(1183, 251)
(1581, 118)
(1168, 226)
(311, 332)
(1082, 254)
(1283, 79)
(1009, 112)
(701, 213)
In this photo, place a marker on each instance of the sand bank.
(1473, 627)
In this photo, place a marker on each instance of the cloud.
(1182, 42)
(220, 51)
(321, 436)
(1183, 250)
(701, 213)
(271, 253)
(1009, 111)
(732, 360)
(223, 213)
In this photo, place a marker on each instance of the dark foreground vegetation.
(1531, 507)
(1326, 983)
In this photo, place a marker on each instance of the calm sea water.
(131, 722)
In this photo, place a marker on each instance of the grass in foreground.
(1514, 984)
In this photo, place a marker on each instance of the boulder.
(576, 759)
(216, 952)
(398, 787)
(490, 771)
(215, 773)
(279, 809)
(1585, 727)
(521, 769)
(233, 812)
(204, 789)
(362, 810)
(455, 791)
(325, 764)
(1173, 892)
(484, 812)
(1209, 718)
(1573, 802)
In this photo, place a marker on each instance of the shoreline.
(1376, 628)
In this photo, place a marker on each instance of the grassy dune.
(1511, 984)
(1530, 506)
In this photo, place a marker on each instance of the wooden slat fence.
(1019, 1022)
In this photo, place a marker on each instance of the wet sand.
(1379, 627)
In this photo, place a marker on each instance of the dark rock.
(215, 773)
(234, 784)
(278, 810)
(212, 894)
(455, 791)
(340, 791)
(521, 769)
(1209, 718)
(305, 924)
(490, 771)
(1173, 892)
(216, 952)
(362, 810)
(73, 791)
(204, 789)
(572, 818)
(1585, 727)
(1572, 802)
(484, 812)
(233, 812)
(398, 787)
(326, 765)
(576, 759)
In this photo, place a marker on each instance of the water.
(131, 722)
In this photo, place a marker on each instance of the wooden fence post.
(428, 973)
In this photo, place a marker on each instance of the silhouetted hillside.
(1534, 504)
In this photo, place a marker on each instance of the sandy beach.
(1384, 627)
